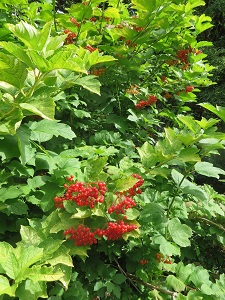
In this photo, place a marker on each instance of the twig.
(151, 286)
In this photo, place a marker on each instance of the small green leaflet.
(218, 110)
(175, 283)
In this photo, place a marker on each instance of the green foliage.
(105, 92)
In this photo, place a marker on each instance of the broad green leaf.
(26, 257)
(27, 33)
(10, 121)
(17, 207)
(217, 110)
(154, 213)
(207, 169)
(6, 288)
(11, 266)
(189, 155)
(203, 22)
(166, 248)
(199, 277)
(190, 122)
(31, 290)
(12, 192)
(145, 5)
(67, 59)
(90, 83)
(184, 271)
(27, 151)
(13, 71)
(180, 233)
(187, 186)
(30, 236)
(125, 183)
(119, 278)
(43, 273)
(39, 61)
(50, 127)
(112, 12)
(175, 283)
(61, 257)
(95, 167)
(18, 52)
(148, 156)
(33, 109)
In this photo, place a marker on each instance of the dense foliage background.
(111, 142)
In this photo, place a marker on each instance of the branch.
(151, 286)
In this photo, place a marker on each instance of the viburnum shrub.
(107, 91)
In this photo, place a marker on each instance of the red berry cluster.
(122, 206)
(143, 261)
(82, 235)
(90, 48)
(145, 103)
(161, 258)
(115, 230)
(124, 200)
(70, 36)
(189, 88)
(83, 194)
(135, 189)
(74, 21)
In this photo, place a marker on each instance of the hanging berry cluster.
(83, 194)
(145, 103)
(93, 193)
(83, 235)
(161, 258)
(124, 200)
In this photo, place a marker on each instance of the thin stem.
(213, 223)
(54, 14)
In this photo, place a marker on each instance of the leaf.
(95, 167)
(190, 122)
(13, 71)
(175, 283)
(18, 52)
(166, 248)
(180, 233)
(34, 110)
(203, 22)
(43, 273)
(27, 33)
(5, 287)
(148, 156)
(218, 110)
(207, 169)
(125, 183)
(27, 152)
(90, 83)
(12, 192)
(188, 187)
(30, 236)
(119, 278)
(31, 290)
(51, 128)
(189, 155)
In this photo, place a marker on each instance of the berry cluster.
(74, 21)
(189, 88)
(115, 230)
(135, 189)
(121, 207)
(143, 261)
(124, 200)
(82, 235)
(70, 36)
(145, 103)
(98, 72)
(133, 90)
(83, 194)
(90, 48)
(161, 258)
